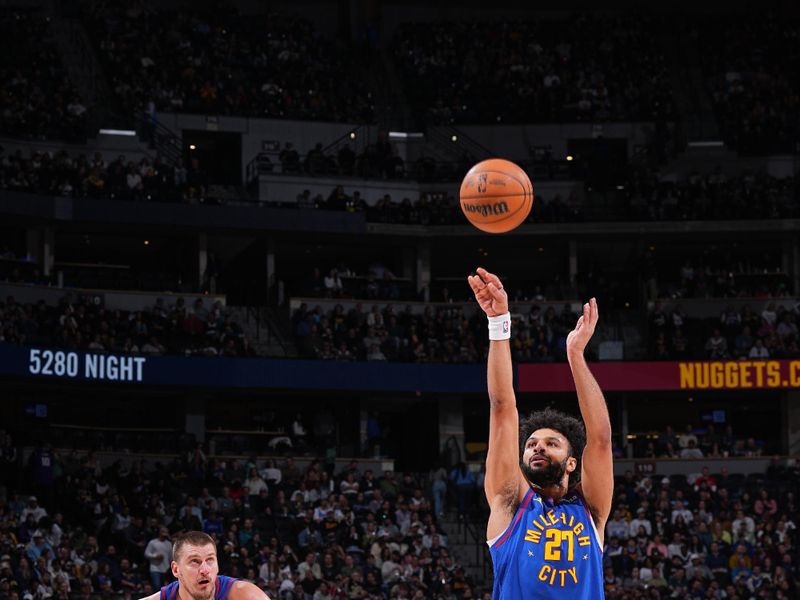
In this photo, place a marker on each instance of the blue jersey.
(549, 551)
(224, 585)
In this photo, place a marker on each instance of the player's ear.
(174, 567)
(572, 464)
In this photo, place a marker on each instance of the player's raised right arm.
(503, 475)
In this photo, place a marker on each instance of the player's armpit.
(244, 590)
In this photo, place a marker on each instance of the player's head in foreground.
(552, 443)
(194, 565)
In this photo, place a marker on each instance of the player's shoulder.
(155, 596)
(244, 590)
(575, 496)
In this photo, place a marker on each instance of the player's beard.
(544, 477)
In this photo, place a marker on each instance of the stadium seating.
(585, 68)
(219, 62)
(37, 100)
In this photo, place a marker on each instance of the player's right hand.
(489, 292)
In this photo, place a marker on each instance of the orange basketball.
(496, 195)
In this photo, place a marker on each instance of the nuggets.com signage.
(689, 375)
(744, 374)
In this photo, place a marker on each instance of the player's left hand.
(579, 337)
(489, 292)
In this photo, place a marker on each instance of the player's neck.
(555, 491)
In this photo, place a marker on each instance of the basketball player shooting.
(195, 567)
(549, 509)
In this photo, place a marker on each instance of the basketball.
(496, 195)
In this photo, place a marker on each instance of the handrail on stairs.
(470, 535)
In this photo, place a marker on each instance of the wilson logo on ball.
(486, 210)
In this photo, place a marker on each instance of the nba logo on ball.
(496, 195)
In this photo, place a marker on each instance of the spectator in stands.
(716, 346)
(617, 527)
(254, 484)
(464, 481)
(758, 350)
(36, 99)
(159, 553)
(549, 86)
(333, 284)
(691, 451)
(245, 72)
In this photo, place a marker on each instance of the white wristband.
(500, 327)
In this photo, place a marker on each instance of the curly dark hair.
(570, 427)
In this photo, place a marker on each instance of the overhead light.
(569, 157)
(352, 135)
(192, 147)
(147, 242)
(454, 138)
(125, 132)
(404, 135)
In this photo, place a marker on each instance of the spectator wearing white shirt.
(617, 527)
(686, 437)
(332, 283)
(640, 521)
(349, 487)
(271, 473)
(33, 509)
(769, 314)
(759, 350)
(375, 353)
(681, 511)
(55, 534)
(676, 547)
(133, 178)
(254, 484)
(310, 564)
(159, 553)
(321, 511)
(692, 451)
(716, 346)
(743, 526)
